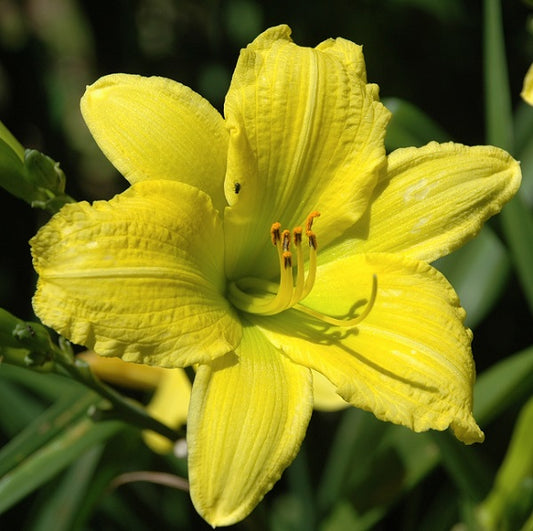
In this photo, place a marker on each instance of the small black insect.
(237, 187)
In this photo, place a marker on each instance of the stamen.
(287, 259)
(256, 296)
(309, 221)
(311, 273)
(312, 239)
(300, 267)
(272, 304)
(275, 233)
(286, 238)
(345, 323)
(297, 232)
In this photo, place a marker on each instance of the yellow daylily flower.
(527, 89)
(202, 260)
(169, 403)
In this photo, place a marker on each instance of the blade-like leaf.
(42, 465)
(478, 271)
(61, 507)
(410, 126)
(504, 384)
(45, 427)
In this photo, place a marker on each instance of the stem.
(29, 345)
(121, 407)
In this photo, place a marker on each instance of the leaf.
(358, 434)
(517, 220)
(410, 126)
(511, 500)
(48, 386)
(524, 149)
(48, 460)
(17, 409)
(61, 508)
(45, 427)
(504, 384)
(464, 466)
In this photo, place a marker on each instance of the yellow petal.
(409, 361)
(306, 133)
(527, 89)
(155, 128)
(118, 372)
(169, 405)
(325, 395)
(248, 415)
(433, 200)
(140, 276)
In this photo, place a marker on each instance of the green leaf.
(60, 509)
(516, 219)
(300, 487)
(498, 108)
(17, 408)
(358, 434)
(479, 272)
(464, 466)
(517, 223)
(58, 453)
(52, 422)
(524, 149)
(12, 176)
(503, 385)
(410, 126)
(511, 500)
(11, 141)
(343, 517)
(47, 385)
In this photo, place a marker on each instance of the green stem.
(29, 344)
(121, 408)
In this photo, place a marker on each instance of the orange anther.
(275, 233)
(309, 221)
(297, 235)
(312, 239)
(286, 239)
(287, 259)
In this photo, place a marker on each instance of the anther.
(309, 221)
(297, 238)
(286, 238)
(275, 233)
(287, 259)
(312, 240)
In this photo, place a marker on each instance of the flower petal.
(409, 361)
(325, 396)
(169, 405)
(433, 200)
(155, 128)
(122, 373)
(140, 276)
(306, 133)
(527, 89)
(247, 418)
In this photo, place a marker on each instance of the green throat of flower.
(262, 297)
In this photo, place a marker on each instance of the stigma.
(295, 280)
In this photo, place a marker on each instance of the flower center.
(262, 297)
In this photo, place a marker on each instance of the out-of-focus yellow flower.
(214, 257)
(527, 89)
